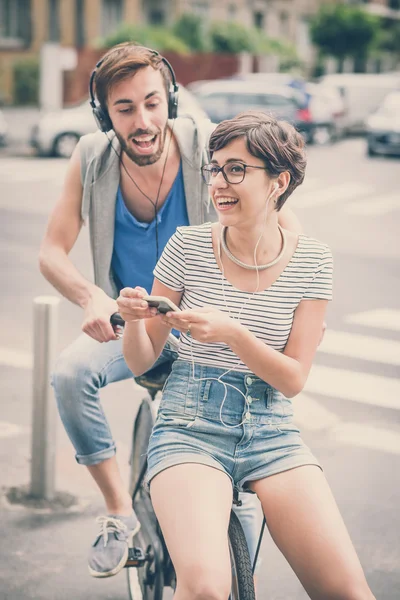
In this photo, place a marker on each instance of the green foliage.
(343, 30)
(192, 30)
(231, 38)
(26, 81)
(389, 38)
(159, 38)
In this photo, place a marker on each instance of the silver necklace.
(252, 267)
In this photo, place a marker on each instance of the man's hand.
(98, 311)
(131, 307)
(206, 324)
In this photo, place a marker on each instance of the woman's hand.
(131, 307)
(205, 324)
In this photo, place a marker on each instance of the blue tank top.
(134, 254)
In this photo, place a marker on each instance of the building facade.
(25, 25)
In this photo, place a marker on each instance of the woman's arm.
(286, 371)
(145, 334)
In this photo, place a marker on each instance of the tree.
(159, 38)
(192, 30)
(342, 30)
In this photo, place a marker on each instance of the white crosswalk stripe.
(382, 318)
(354, 385)
(22, 170)
(353, 197)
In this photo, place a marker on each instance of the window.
(284, 18)
(111, 15)
(15, 23)
(80, 23)
(258, 20)
(201, 8)
(232, 10)
(54, 20)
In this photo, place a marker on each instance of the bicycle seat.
(155, 378)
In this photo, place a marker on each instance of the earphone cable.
(154, 204)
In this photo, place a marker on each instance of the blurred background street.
(332, 69)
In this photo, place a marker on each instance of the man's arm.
(62, 231)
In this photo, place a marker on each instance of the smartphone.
(162, 304)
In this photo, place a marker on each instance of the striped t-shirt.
(188, 265)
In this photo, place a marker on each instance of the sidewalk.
(43, 552)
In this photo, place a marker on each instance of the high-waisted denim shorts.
(188, 428)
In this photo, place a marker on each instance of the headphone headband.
(101, 115)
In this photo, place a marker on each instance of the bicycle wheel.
(140, 440)
(242, 576)
(146, 582)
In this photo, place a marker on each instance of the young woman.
(253, 298)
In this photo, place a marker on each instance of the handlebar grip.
(117, 320)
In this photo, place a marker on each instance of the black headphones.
(101, 115)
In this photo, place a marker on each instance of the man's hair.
(123, 61)
(276, 143)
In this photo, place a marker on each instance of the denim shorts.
(257, 439)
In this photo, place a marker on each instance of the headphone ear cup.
(173, 103)
(102, 119)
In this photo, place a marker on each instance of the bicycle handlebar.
(116, 320)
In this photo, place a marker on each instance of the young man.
(135, 181)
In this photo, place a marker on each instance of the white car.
(383, 127)
(57, 133)
(3, 130)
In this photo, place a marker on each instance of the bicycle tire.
(139, 587)
(242, 576)
(143, 426)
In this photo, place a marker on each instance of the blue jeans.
(80, 372)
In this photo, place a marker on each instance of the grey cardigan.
(100, 175)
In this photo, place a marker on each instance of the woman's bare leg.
(193, 503)
(306, 525)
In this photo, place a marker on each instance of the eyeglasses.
(233, 172)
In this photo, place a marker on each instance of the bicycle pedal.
(136, 558)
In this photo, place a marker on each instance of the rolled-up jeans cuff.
(97, 457)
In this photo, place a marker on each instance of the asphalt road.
(349, 411)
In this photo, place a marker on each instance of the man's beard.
(139, 159)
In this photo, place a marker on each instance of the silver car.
(383, 127)
(57, 133)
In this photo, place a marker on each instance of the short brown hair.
(123, 61)
(277, 143)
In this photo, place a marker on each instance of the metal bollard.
(45, 330)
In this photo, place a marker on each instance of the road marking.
(366, 436)
(310, 414)
(382, 318)
(336, 193)
(378, 205)
(10, 430)
(364, 388)
(341, 343)
(14, 358)
(35, 170)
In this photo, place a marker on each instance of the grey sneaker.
(110, 549)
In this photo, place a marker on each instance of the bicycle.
(149, 566)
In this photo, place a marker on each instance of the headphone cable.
(154, 204)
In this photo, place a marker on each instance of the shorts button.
(248, 416)
(249, 380)
(249, 399)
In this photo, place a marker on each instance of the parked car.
(3, 130)
(296, 82)
(57, 133)
(223, 99)
(362, 93)
(383, 127)
(327, 110)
